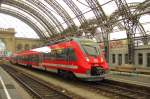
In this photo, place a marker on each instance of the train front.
(94, 64)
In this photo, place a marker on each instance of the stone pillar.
(10, 44)
(136, 59)
(8, 36)
(117, 61)
(144, 59)
(123, 59)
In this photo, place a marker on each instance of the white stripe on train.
(61, 65)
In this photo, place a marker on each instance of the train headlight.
(87, 59)
(102, 60)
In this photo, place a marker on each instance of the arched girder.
(44, 8)
(62, 12)
(32, 11)
(131, 24)
(120, 26)
(36, 18)
(131, 6)
(97, 10)
(76, 11)
(115, 15)
(142, 6)
(24, 19)
(144, 9)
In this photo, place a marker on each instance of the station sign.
(5, 53)
(115, 44)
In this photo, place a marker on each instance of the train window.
(71, 54)
(29, 58)
(51, 55)
(126, 58)
(46, 56)
(140, 58)
(91, 50)
(113, 58)
(35, 58)
(61, 54)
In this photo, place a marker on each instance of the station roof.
(52, 17)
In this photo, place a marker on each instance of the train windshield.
(90, 48)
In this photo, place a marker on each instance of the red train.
(70, 57)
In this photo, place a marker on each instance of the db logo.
(95, 60)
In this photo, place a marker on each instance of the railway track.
(121, 89)
(37, 88)
(112, 88)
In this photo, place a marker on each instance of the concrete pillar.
(136, 59)
(117, 61)
(123, 59)
(10, 45)
(8, 36)
(144, 59)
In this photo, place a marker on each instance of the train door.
(40, 58)
(71, 58)
(119, 59)
(148, 59)
(29, 59)
(37, 59)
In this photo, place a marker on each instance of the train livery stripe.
(61, 65)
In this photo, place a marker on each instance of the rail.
(37, 88)
(124, 90)
(131, 69)
(115, 88)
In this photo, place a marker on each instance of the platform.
(133, 78)
(9, 89)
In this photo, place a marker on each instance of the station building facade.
(16, 44)
(119, 54)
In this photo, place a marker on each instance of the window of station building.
(113, 58)
(119, 59)
(26, 47)
(148, 59)
(19, 47)
(140, 58)
(34, 46)
(126, 59)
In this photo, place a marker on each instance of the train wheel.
(29, 66)
(66, 74)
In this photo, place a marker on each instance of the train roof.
(69, 39)
(48, 47)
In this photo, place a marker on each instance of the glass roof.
(22, 29)
(47, 15)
